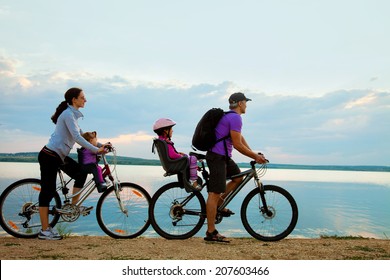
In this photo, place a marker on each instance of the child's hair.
(161, 131)
(89, 135)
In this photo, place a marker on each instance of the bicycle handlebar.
(253, 163)
(108, 148)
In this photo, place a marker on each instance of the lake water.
(330, 202)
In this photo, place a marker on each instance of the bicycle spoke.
(131, 222)
(20, 211)
(273, 223)
(174, 214)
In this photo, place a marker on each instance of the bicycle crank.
(69, 212)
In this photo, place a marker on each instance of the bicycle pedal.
(62, 211)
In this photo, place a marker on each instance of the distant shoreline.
(120, 160)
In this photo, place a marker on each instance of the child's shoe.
(101, 187)
(195, 186)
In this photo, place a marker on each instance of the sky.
(318, 73)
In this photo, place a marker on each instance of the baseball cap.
(238, 96)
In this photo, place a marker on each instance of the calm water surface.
(329, 202)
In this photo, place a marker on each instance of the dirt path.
(106, 248)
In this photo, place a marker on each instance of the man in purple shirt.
(221, 167)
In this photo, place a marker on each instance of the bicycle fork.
(118, 189)
(116, 185)
(264, 208)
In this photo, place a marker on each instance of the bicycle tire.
(170, 219)
(20, 211)
(114, 222)
(269, 227)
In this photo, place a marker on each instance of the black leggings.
(49, 163)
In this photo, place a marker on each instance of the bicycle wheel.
(176, 214)
(275, 225)
(20, 211)
(133, 220)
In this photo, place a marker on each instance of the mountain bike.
(268, 212)
(121, 211)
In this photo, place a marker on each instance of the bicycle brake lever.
(109, 147)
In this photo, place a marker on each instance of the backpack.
(204, 136)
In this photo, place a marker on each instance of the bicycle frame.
(88, 188)
(247, 174)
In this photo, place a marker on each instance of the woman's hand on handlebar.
(105, 148)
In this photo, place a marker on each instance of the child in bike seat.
(163, 128)
(89, 161)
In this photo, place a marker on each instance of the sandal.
(226, 212)
(216, 237)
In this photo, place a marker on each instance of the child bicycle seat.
(171, 166)
(178, 166)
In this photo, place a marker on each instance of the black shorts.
(220, 169)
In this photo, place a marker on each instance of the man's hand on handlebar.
(260, 158)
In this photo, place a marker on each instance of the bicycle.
(121, 211)
(268, 212)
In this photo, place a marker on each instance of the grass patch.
(348, 237)
(52, 257)
(368, 253)
(11, 244)
(368, 249)
(364, 249)
(122, 258)
(91, 246)
(63, 230)
(358, 258)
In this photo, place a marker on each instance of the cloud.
(4, 11)
(131, 138)
(373, 79)
(363, 101)
(9, 79)
(16, 140)
(340, 127)
(134, 145)
(345, 124)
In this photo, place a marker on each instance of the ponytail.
(69, 95)
(62, 107)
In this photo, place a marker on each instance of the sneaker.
(85, 210)
(54, 231)
(49, 234)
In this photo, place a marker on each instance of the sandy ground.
(106, 248)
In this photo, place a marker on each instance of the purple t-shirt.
(231, 121)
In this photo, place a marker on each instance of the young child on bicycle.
(163, 128)
(89, 161)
